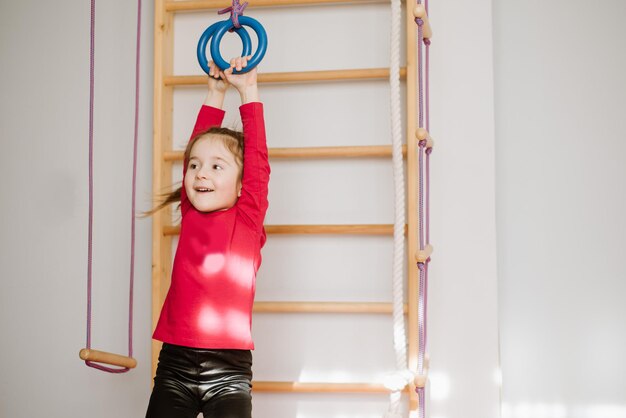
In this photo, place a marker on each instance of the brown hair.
(232, 140)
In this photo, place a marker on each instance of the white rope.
(398, 380)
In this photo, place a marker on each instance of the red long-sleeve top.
(209, 303)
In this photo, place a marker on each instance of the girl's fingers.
(238, 64)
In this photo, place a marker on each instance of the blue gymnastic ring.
(258, 55)
(221, 28)
(210, 32)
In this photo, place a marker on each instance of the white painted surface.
(561, 199)
(44, 211)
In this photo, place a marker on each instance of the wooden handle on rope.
(107, 358)
(420, 380)
(422, 134)
(420, 12)
(422, 255)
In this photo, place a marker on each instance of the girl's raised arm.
(211, 114)
(256, 169)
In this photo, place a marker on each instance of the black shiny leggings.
(192, 380)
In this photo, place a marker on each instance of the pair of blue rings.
(216, 31)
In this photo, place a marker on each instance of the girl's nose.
(202, 174)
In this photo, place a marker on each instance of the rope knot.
(235, 10)
(398, 380)
(422, 143)
(427, 41)
(419, 21)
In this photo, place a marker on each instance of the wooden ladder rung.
(382, 229)
(195, 5)
(369, 151)
(294, 77)
(310, 387)
(325, 307)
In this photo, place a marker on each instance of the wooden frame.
(325, 307)
(164, 158)
(162, 126)
(412, 205)
(197, 5)
(296, 77)
(172, 230)
(368, 151)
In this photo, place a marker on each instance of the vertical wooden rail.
(412, 206)
(163, 107)
(163, 112)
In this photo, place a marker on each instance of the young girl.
(205, 362)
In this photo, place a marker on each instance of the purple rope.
(426, 303)
(420, 35)
(421, 396)
(423, 192)
(235, 10)
(427, 83)
(427, 169)
(90, 233)
(428, 150)
(422, 144)
(134, 189)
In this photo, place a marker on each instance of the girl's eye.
(217, 167)
(193, 166)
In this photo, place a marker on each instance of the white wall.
(44, 210)
(44, 113)
(560, 96)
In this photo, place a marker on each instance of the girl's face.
(212, 181)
